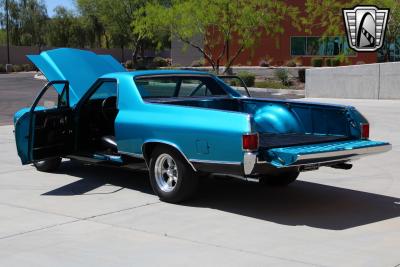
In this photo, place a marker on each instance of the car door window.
(105, 90)
(53, 98)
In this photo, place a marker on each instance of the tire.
(48, 165)
(281, 179)
(171, 177)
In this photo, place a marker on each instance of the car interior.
(96, 120)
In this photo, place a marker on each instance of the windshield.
(184, 86)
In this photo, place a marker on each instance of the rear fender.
(149, 145)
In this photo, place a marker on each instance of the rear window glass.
(162, 87)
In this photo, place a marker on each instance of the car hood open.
(79, 67)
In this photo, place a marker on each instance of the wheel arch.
(149, 146)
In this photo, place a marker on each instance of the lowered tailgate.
(324, 152)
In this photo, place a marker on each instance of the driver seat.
(108, 143)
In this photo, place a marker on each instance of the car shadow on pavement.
(301, 203)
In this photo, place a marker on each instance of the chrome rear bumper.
(251, 159)
(350, 154)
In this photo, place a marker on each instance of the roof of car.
(154, 72)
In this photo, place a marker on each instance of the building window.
(389, 51)
(319, 46)
(298, 46)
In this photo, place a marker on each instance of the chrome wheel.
(166, 172)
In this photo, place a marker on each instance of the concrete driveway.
(97, 216)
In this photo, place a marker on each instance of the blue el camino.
(180, 125)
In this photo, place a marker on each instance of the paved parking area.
(17, 90)
(95, 216)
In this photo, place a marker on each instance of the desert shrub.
(263, 63)
(328, 62)
(283, 76)
(291, 63)
(2, 68)
(160, 62)
(335, 62)
(28, 67)
(302, 75)
(141, 65)
(298, 61)
(198, 63)
(317, 62)
(17, 68)
(248, 78)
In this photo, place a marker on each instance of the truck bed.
(281, 123)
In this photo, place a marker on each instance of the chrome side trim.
(215, 162)
(135, 155)
(249, 162)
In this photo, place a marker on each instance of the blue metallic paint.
(218, 131)
(63, 64)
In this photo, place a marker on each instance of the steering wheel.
(109, 108)
(197, 89)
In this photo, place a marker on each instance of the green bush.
(18, 68)
(283, 76)
(335, 62)
(317, 62)
(160, 62)
(270, 84)
(2, 68)
(328, 62)
(248, 78)
(141, 65)
(28, 67)
(302, 75)
(198, 63)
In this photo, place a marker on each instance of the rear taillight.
(364, 130)
(250, 141)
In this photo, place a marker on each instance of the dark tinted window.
(319, 46)
(161, 87)
(298, 46)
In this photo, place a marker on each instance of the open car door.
(46, 131)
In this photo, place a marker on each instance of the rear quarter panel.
(201, 134)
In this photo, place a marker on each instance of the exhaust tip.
(343, 166)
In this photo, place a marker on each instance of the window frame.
(179, 78)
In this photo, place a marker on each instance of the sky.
(51, 4)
